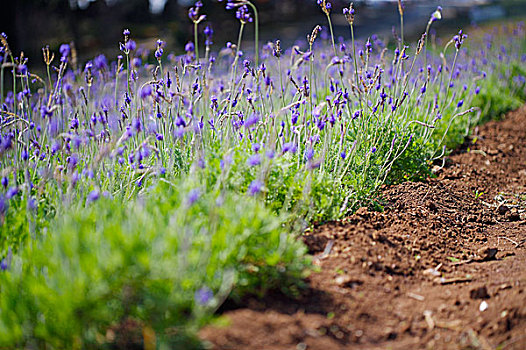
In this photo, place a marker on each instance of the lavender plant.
(171, 184)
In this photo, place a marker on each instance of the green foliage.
(413, 164)
(108, 263)
(496, 99)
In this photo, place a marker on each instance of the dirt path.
(443, 267)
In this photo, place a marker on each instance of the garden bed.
(418, 274)
(144, 196)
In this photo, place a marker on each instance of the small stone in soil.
(483, 306)
(479, 293)
(503, 209)
(487, 253)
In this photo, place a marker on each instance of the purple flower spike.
(243, 15)
(255, 187)
(130, 45)
(3, 265)
(159, 52)
(189, 47)
(32, 203)
(13, 191)
(146, 91)
(203, 296)
(254, 160)
(208, 31)
(93, 196)
(3, 204)
(6, 262)
(437, 15)
(289, 147)
(64, 50)
(309, 153)
(193, 196)
(356, 114)
(24, 155)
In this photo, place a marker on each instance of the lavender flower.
(435, 16)
(193, 196)
(130, 45)
(254, 160)
(189, 47)
(100, 62)
(3, 204)
(255, 187)
(357, 114)
(289, 147)
(6, 262)
(243, 15)
(159, 52)
(193, 13)
(13, 191)
(64, 50)
(459, 39)
(146, 91)
(349, 13)
(93, 196)
(4, 265)
(72, 161)
(203, 296)
(325, 6)
(252, 120)
(208, 31)
(309, 153)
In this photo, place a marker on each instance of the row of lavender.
(151, 188)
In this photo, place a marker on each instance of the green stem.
(2, 82)
(402, 29)
(196, 41)
(234, 70)
(355, 66)
(425, 45)
(449, 82)
(256, 32)
(281, 91)
(49, 78)
(332, 34)
(116, 87)
(234, 66)
(128, 73)
(14, 84)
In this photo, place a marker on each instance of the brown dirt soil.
(443, 267)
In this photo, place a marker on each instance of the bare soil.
(443, 267)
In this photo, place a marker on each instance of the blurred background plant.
(95, 25)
